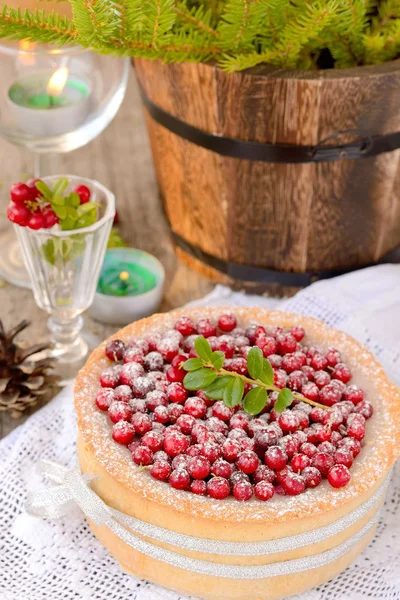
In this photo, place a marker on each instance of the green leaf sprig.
(68, 209)
(207, 373)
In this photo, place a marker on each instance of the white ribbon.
(74, 487)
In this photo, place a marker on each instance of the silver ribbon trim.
(74, 488)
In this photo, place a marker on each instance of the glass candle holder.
(64, 267)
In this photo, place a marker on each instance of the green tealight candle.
(119, 278)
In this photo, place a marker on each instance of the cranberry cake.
(242, 498)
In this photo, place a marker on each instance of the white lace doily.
(61, 560)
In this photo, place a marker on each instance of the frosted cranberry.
(142, 423)
(247, 443)
(185, 326)
(294, 362)
(329, 395)
(309, 372)
(279, 490)
(226, 344)
(142, 456)
(218, 488)
(254, 331)
(312, 477)
(324, 433)
(194, 450)
(200, 433)
(342, 373)
(221, 468)
(263, 473)
(141, 386)
(211, 451)
(289, 421)
(199, 467)
(343, 456)
(268, 345)
(154, 361)
(115, 350)
(238, 476)
(283, 473)
(180, 462)
(175, 442)
(179, 479)
(160, 470)
(161, 455)
(275, 360)
(317, 414)
(321, 378)
(130, 372)
(176, 393)
(247, 462)
(345, 408)
(327, 447)
(198, 487)
(293, 484)
(335, 437)
(196, 407)
(222, 412)
(351, 444)
(239, 420)
(333, 357)
(353, 394)
(280, 378)
(276, 458)
(310, 391)
(168, 348)
(123, 432)
(298, 332)
(339, 476)
(175, 374)
(178, 360)
(237, 365)
(123, 393)
(216, 425)
(241, 341)
(356, 430)
(138, 405)
(154, 399)
(263, 490)
(153, 440)
(227, 322)
(110, 377)
(242, 491)
(230, 450)
(104, 397)
(286, 343)
(308, 449)
(365, 409)
(206, 328)
(296, 380)
(311, 350)
(185, 423)
(318, 362)
(299, 462)
(134, 354)
(161, 414)
(323, 462)
(119, 411)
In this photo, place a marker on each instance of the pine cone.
(22, 381)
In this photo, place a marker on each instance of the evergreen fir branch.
(240, 23)
(197, 18)
(95, 20)
(36, 26)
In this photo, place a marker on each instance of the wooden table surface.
(121, 159)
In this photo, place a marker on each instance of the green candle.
(121, 278)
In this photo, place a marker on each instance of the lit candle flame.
(57, 82)
(124, 275)
(26, 56)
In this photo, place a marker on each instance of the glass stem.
(65, 332)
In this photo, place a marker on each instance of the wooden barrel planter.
(277, 220)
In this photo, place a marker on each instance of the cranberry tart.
(259, 491)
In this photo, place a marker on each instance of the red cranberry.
(309, 371)
(319, 362)
(20, 193)
(176, 393)
(296, 380)
(312, 477)
(329, 395)
(175, 443)
(263, 490)
(123, 393)
(18, 214)
(168, 348)
(275, 361)
(222, 412)
(353, 394)
(216, 425)
(310, 391)
(321, 378)
(343, 456)
(276, 458)
(323, 462)
(333, 357)
(115, 350)
(198, 487)
(134, 354)
(268, 345)
(230, 450)
(237, 365)
(279, 490)
(142, 456)
(123, 432)
(110, 377)
(293, 484)
(239, 420)
(206, 328)
(142, 423)
(293, 362)
(119, 411)
(289, 444)
(365, 409)
(286, 343)
(153, 440)
(199, 467)
(160, 470)
(36, 221)
(161, 456)
(298, 332)
(194, 450)
(326, 447)
(247, 461)
(196, 407)
(130, 372)
(141, 386)
(185, 326)
(289, 421)
(179, 479)
(83, 193)
(227, 322)
(283, 473)
(280, 378)
(154, 399)
(180, 462)
(254, 331)
(299, 462)
(218, 488)
(161, 414)
(264, 473)
(138, 405)
(356, 430)
(221, 468)
(185, 423)
(211, 451)
(175, 374)
(154, 361)
(226, 344)
(104, 397)
(342, 373)
(339, 476)
(351, 444)
(50, 218)
(308, 449)
(242, 491)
